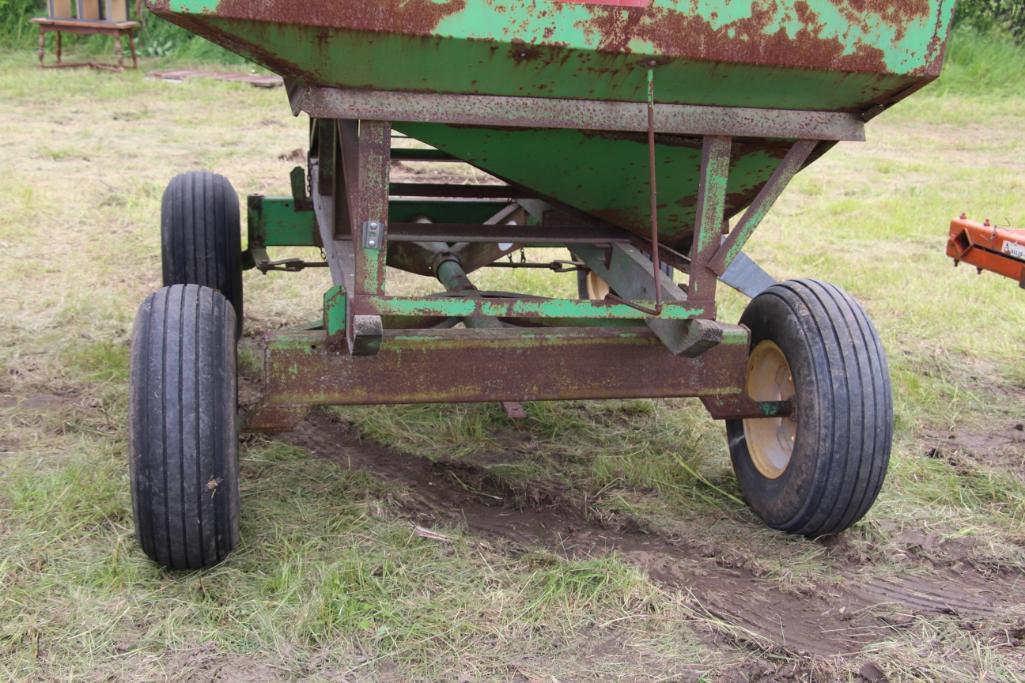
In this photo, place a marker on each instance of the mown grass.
(330, 579)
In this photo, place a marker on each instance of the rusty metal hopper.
(853, 57)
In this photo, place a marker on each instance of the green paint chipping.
(335, 311)
(275, 222)
(524, 308)
(824, 55)
(845, 55)
(606, 173)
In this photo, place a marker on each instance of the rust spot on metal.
(746, 41)
(418, 17)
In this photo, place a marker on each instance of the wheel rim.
(597, 288)
(770, 441)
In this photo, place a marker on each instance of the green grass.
(331, 579)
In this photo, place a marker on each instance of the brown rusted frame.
(362, 182)
(329, 211)
(738, 406)
(547, 112)
(493, 364)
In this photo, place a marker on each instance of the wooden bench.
(116, 29)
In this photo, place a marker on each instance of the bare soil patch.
(1001, 447)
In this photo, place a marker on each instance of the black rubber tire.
(201, 236)
(844, 410)
(184, 431)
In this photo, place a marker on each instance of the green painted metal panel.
(276, 222)
(461, 307)
(802, 54)
(335, 316)
(606, 174)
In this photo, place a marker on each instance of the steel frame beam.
(680, 352)
(539, 112)
(304, 369)
(712, 183)
(357, 236)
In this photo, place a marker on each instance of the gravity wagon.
(647, 137)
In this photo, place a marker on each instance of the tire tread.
(183, 353)
(849, 378)
(201, 235)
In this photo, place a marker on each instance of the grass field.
(590, 540)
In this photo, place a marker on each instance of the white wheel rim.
(597, 288)
(770, 440)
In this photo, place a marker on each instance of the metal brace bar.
(366, 154)
(543, 112)
(734, 243)
(631, 273)
(713, 180)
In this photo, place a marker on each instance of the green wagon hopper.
(647, 137)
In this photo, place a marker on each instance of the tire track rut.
(831, 621)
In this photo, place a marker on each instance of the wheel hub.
(597, 288)
(770, 441)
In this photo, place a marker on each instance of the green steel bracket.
(464, 307)
(712, 184)
(278, 222)
(629, 273)
(335, 310)
(284, 222)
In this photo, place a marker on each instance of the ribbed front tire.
(201, 236)
(819, 471)
(184, 434)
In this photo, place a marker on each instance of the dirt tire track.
(830, 622)
(964, 595)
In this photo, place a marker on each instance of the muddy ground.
(828, 621)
